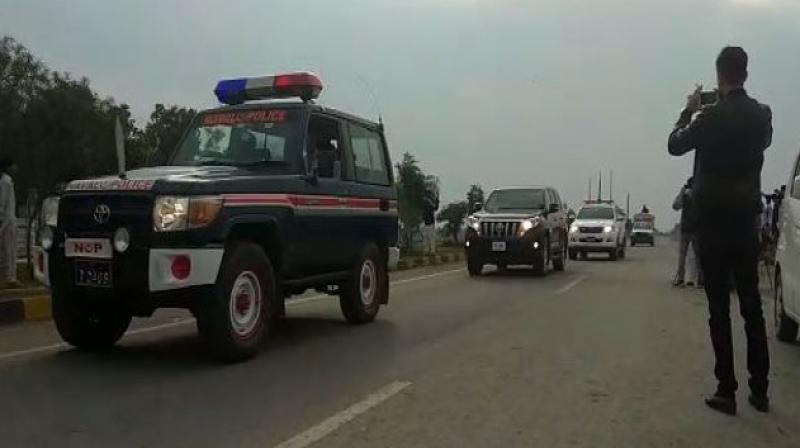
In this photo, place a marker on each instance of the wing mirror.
(554, 208)
(476, 207)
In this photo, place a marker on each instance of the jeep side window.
(369, 156)
(324, 145)
(795, 192)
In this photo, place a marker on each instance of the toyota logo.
(102, 213)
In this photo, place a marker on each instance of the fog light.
(47, 238)
(122, 239)
(467, 243)
(536, 245)
(181, 267)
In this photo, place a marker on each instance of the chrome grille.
(590, 229)
(499, 229)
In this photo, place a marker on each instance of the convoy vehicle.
(598, 227)
(787, 262)
(518, 226)
(264, 197)
(644, 226)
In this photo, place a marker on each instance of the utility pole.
(589, 198)
(628, 206)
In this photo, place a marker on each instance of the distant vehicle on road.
(598, 227)
(518, 226)
(260, 201)
(644, 227)
(787, 263)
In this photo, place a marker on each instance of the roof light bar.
(304, 85)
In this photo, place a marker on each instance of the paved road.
(604, 355)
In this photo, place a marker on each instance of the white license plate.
(87, 248)
(498, 246)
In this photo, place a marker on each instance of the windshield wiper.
(214, 162)
(262, 163)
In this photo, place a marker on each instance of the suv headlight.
(50, 211)
(528, 224)
(173, 213)
(573, 228)
(608, 229)
(473, 223)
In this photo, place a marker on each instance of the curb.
(27, 308)
(33, 304)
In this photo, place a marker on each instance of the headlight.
(608, 229)
(172, 213)
(528, 224)
(573, 228)
(50, 211)
(474, 224)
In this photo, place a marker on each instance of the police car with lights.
(518, 226)
(261, 200)
(598, 227)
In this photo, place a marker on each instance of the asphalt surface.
(606, 354)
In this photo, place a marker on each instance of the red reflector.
(181, 267)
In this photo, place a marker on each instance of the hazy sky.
(498, 92)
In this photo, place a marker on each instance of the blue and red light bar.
(304, 85)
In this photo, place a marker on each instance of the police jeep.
(261, 200)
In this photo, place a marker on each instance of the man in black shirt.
(729, 138)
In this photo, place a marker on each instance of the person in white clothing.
(8, 225)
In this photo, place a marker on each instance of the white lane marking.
(295, 302)
(331, 424)
(570, 285)
(33, 351)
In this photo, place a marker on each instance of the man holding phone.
(729, 138)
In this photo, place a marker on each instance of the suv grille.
(499, 229)
(591, 229)
(77, 213)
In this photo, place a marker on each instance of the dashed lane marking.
(570, 285)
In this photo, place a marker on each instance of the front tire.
(786, 329)
(573, 254)
(559, 264)
(368, 286)
(613, 255)
(236, 317)
(474, 266)
(542, 259)
(88, 329)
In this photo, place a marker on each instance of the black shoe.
(726, 405)
(759, 401)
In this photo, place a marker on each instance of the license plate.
(87, 248)
(498, 246)
(93, 273)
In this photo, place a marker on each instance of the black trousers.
(729, 250)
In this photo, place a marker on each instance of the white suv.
(598, 227)
(787, 259)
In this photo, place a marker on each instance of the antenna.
(611, 187)
(600, 187)
(372, 95)
(590, 189)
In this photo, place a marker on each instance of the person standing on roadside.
(729, 139)
(685, 203)
(8, 224)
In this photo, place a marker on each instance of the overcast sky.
(498, 92)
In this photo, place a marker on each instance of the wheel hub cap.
(368, 282)
(245, 304)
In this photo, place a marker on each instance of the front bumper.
(593, 242)
(517, 250)
(641, 237)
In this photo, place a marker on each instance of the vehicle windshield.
(241, 138)
(596, 213)
(515, 200)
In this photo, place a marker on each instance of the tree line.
(58, 128)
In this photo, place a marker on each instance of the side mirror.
(554, 208)
(477, 207)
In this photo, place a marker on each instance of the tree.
(164, 130)
(411, 190)
(453, 215)
(474, 195)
